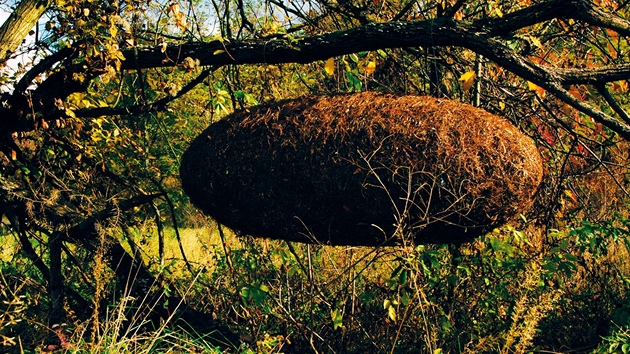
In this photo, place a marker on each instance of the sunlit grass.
(8, 247)
(279, 293)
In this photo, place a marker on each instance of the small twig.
(451, 11)
(478, 74)
(160, 231)
(178, 236)
(404, 10)
(603, 164)
(226, 250)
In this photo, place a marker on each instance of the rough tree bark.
(19, 24)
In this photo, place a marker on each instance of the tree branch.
(143, 108)
(82, 231)
(601, 88)
(591, 76)
(528, 16)
(41, 67)
(591, 14)
(482, 36)
(620, 128)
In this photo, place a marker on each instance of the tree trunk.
(55, 280)
(18, 25)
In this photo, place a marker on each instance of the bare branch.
(450, 12)
(592, 75)
(620, 128)
(591, 14)
(601, 88)
(404, 10)
(41, 67)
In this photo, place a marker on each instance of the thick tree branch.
(373, 36)
(439, 32)
(599, 75)
(41, 67)
(529, 16)
(483, 37)
(591, 14)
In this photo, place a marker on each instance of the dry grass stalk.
(529, 311)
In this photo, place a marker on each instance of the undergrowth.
(511, 291)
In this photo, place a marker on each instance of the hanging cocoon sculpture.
(362, 169)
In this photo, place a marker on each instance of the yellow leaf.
(567, 109)
(532, 86)
(330, 66)
(467, 80)
(180, 21)
(370, 67)
(539, 90)
(502, 105)
(535, 41)
(218, 51)
(174, 8)
(391, 312)
(13, 155)
(571, 195)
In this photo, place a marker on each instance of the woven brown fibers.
(362, 169)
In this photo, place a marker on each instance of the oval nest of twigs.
(362, 169)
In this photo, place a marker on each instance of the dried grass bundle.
(362, 169)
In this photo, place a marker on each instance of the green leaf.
(353, 81)
(402, 279)
(405, 299)
(337, 318)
